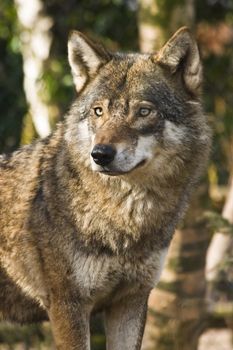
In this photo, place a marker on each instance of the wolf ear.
(181, 53)
(85, 58)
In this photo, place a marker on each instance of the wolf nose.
(103, 154)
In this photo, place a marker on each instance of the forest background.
(195, 293)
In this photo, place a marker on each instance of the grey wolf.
(87, 214)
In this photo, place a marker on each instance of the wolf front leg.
(125, 322)
(70, 325)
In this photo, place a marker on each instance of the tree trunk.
(176, 314)
(219, 248)
(35, 40)
(151, 36)
(158, 20)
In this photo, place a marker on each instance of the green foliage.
(34, 336)
(216, 223)
(217, 19)
(12, 100)
(213, 10)
(110, 20)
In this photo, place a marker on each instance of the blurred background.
(192, 307)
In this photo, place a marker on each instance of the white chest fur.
(98, 276)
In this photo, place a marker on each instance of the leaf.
(217, 223)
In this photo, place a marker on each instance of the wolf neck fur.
(126, 208)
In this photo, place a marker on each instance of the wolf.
(87, 214)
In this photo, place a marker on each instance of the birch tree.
(220, 249)
(158, 20)
(35, 47)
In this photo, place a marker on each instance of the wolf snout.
(103, 154)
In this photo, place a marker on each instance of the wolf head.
(137, 114)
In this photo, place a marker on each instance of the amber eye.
(144, 111)
(98, 111)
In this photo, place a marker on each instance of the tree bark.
(176, 315)
(219, 247)
(158, 20)
(36, 41)
(151, 36)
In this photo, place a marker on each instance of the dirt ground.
(216, 339)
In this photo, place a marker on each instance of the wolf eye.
(98, 111)
(144, 111)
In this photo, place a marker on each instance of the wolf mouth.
(116, 173)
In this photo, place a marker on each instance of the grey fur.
(74, 238)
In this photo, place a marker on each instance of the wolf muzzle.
(103, 154)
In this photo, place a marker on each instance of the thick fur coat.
(87, 214)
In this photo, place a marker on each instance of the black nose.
(103, 154)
